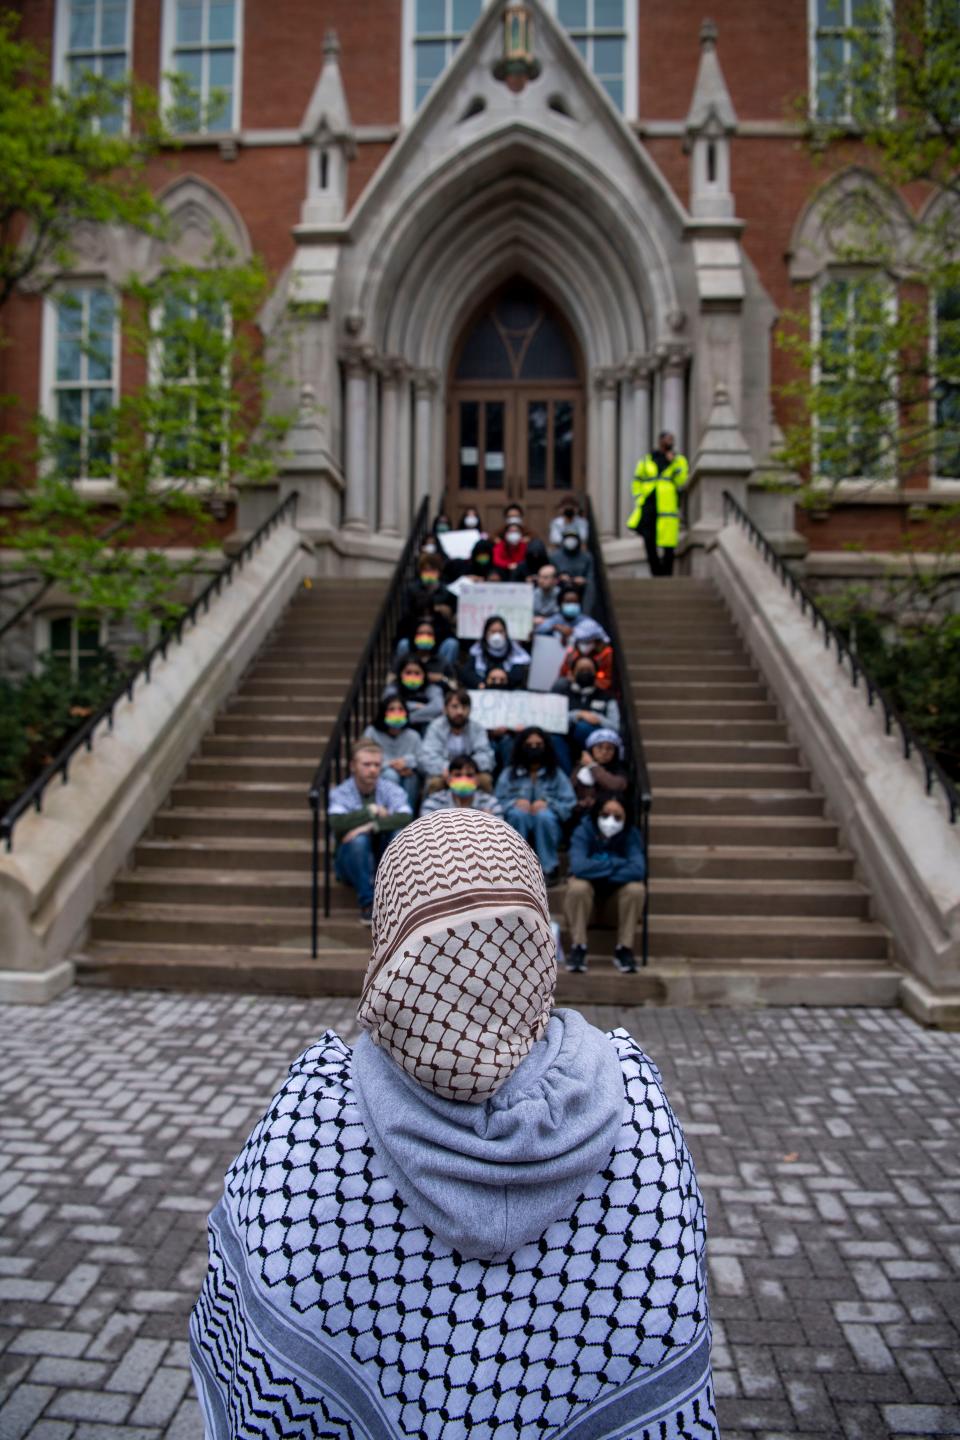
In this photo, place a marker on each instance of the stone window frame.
(833, 272)
(169, 47)
(43, 635)
(409, 107)
(938, 481)
(201, 484)
(62, 51)
(51, 387)
(817, 31)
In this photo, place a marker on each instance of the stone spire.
(329, 135)
(711, 120)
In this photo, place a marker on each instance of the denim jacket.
(555, 789)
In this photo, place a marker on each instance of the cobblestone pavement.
(827, 1143)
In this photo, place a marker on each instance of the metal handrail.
(933, 771)
(84, 736)
(357, 711)
(638, 775)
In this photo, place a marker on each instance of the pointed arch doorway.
(515, 415)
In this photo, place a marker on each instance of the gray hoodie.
(488, 1178)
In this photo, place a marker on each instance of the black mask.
(533, 754)
(584, 679)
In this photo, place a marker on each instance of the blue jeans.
(542, 831)
(355, 864)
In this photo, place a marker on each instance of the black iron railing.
(83, 738)
(358, 710)
(638, 782)
(934, 774)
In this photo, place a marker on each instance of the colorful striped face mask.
(461, 785)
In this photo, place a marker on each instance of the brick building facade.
(507, 288)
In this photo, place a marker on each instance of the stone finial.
(708, 35)
(711, 104)
(331, 45)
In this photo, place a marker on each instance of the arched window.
(518, 338)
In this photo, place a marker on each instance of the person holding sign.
(495, 648)
(590, 708)
(607, 863)
(536, 797)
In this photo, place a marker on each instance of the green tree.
(877, 390)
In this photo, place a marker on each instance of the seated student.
(536, 796)
(426, 595)
(470, 520)
(440, 656)
(401, 745)
(423, 696)
(442, 525)
(463, 791)
(569, 611)
(575, 567)
(570, 517)
(606, 862)
(510, 551)
(536, 556)
(501, 737)
(365, 812)
(495, 648)
(453, 733)
(601, 771)
(478, 566)
(589, 639)
(590, 708)
(546, 596)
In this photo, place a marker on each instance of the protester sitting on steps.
(590, 708)
(365, 812)
(570, 518)
(439, 655)
(575, 567)
(569, 611)
(478, 567)
(546, 596)
(401, 745)
(495, 648)
(510, 552)
(590, 640)
(601, 772)
(536, 796)
(427, 596)
(463, 791)
(501, 737)
(470, 520)
(606, 864)
(423, 696)
(453, 734)
(481, 1220)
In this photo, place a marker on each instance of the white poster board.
(516, 709)
(478, 601)
(458, 544)
(546, 657)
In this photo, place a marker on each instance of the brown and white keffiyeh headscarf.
(460, 984)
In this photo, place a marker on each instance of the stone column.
(405, 452)
(675, 394)
(355, 516)
(641, 375)
(394, 496)
(426, 385)
(606, 381)
(373, 445)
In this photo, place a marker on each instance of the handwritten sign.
(478, 601)
(516, 709)
(547, 654)
(458, 544)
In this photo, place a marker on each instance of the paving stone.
(90, 1405)
(57, 1370)
(52, 1430)
(69, 1343)
(161, 1397)
(922, 1419)
(22, 1408)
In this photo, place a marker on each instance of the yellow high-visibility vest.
(667, 484)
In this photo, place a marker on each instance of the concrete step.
(258, 726)
(718, 862)
(707, 694)
(665, 775)
(227, 852)
(714, 730)
(213, 821)
(329, 691)
(691, 936)
(778, 831)
(324, 711)
(308, 747)
(250, 795)
(650, 707)
(229, 887)
(254, 770)
(720, 753)
(706, 803)
(650, 671)
(754, 896)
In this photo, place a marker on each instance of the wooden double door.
(515, 416)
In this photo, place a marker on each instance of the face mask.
(430, 548)
(586, 647)
(482, 559)
(423, 642)
(442, 527)
(429, 580)
(570, 610)
(609, 825)
(470, 522)
(497, 685)
(584, 679)
(569, 514)
(460, 785)
(514, 537)
(396, 722)
(571, 543)
(533, 754)
(410, 684)
(497, 643)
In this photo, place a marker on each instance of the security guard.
(658, 479)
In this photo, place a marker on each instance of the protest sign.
(546, 652)
(458, 544)
(516, 709)
(478, 601)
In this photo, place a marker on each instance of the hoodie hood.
(486, 1178)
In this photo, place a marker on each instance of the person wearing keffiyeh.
(483, 1219)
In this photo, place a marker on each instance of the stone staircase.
(753, 898)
